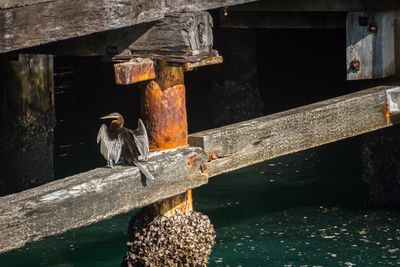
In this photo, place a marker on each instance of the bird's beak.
(109, 117)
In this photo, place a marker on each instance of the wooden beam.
(95, 195)
(212, 60)
(106, 44)
(54, 20)
(245, 143)
(181, 36)
(19, 3)
(102, 193)
(133, 71)
(283, 20)
(319, 5)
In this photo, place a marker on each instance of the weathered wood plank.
(199, 5)
(95, 195)
(133, 71)
(253, 141)
(283, 20)
(19, 3)
(50, 21)
(106, 44)
(374, 50)
(178, 35)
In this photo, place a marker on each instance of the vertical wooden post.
(164, 112)
(27, 121)
(370, 44)
(169, 233)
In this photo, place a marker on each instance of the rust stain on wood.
(135, 70)
(212, 60)
(164, 109)
(164, 112)
(178, 204)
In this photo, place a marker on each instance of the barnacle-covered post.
(27, 120)
(169, 233)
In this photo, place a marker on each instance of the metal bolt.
(373, 27)
(355, 64)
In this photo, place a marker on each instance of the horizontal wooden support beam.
(40, 22)
(211, 60)
(245, 143)
(283, 20)
(92, 196)
(143, 69)
(89, 197)
(135, 70)
(319, 5)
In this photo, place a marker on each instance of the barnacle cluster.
(180, 240)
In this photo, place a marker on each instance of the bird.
(120, 144)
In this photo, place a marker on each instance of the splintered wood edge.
(212, 60)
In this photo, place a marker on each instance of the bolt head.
(355, 64)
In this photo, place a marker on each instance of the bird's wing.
(141, 139)
(110, 149)
(116, 149)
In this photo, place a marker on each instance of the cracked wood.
(95, 195)
(245, 143)
(35, 22)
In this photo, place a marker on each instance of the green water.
(300, 210)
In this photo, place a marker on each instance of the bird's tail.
(144, 171)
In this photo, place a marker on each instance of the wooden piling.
(28, 120)
(164, 113)
(170, 233)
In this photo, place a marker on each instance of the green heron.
(120, 144)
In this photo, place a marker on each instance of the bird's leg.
(143, 170)
(110, 163)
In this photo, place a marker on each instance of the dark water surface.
(300, 210)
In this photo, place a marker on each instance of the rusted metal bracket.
(393, 100)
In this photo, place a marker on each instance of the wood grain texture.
(375, 51)
(242, 144)
(178, 34)
(45, 22)
(19, 3)
(95, 195)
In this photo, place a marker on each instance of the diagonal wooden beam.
(245, 143)
(95, 195)
(89, 197)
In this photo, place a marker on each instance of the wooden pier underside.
(99, 194)
(28, 23)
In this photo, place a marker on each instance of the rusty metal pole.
(168, 233)
(164, 113)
